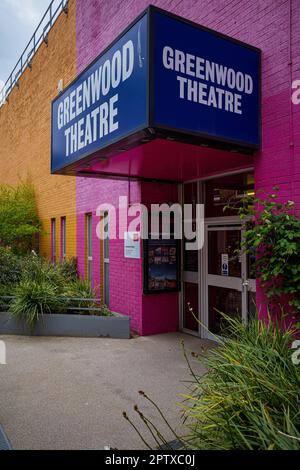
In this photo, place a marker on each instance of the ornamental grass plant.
(34, 299)
(45, 288)
(249, 398)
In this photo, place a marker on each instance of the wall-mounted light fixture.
(60, 86)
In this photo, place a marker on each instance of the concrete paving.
(69, 393)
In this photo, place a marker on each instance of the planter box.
(84, 326)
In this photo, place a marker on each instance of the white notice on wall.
(132, 242)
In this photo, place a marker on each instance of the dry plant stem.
(149, 424)
(161, 414)
(136, 430)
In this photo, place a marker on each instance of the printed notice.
(132, 245)
(225, 264)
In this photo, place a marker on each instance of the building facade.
(210, 279)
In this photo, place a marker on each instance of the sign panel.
(106, 103)
(205, 84)
(194, 85)
(161, 266)
(132, 245)
(225, 264)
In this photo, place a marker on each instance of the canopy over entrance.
(162, 160)
(167, 100)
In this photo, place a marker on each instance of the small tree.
(19, 221)
(275, 234)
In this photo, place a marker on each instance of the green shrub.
(105, 311)
(80, 289)
(250, 396)
(275, 236)
(33, 299)
(68, 269)
(6, 290)
(53, 288)
(10, 267)
(19, 222)
(40, 270)
(249, 399)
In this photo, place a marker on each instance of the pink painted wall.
(125, 274)
(273, 26)
(160, 311)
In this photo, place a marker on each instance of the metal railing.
(5, 301)
(39, 36)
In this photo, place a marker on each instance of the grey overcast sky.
(18, 20)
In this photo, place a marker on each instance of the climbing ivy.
(272, 228)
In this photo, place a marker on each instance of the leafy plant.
(105, 311)
(35, 268)
(34, 299)
(68, 269)
(78, 290)
(10, 267)
(249, 398)
(274, 233)
(18, 217)
(6, 291)
(71, 293)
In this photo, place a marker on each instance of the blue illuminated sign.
(163, 77)
(107, 102)
(204, 83)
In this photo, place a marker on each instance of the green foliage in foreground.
(18, 217)
(275, 236)
(32, 300)
(250, 396)
(46, 288)
(10, 267)
(249, 399)
(80, 289)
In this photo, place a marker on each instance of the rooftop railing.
(39, 36)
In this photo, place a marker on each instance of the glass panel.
(63, 238)
(106, 239)
(251, 304)
(251, 266)
(190, 257)
(90, 238)
(89, 247)
(106, 257)
(90, 270)
(190, 260)
(53, 241)
(106, 284)
(190, 295)
(223, 300)
(227, 189)
(223, 244)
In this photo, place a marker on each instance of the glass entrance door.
(217, 278)
(190, 270)
(228, 285)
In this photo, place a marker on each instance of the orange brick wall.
(25, 132)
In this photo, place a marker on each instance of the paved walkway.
(69, 393)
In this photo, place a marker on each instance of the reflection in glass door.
(229, 289)
(224, 273)
(218, 278)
